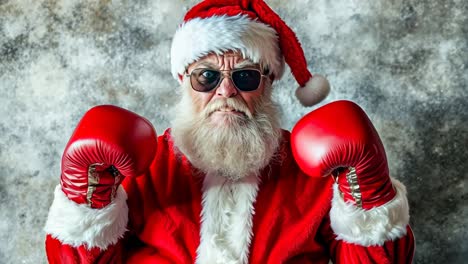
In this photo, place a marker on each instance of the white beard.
(241, 145)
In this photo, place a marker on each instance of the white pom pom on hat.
(252, 28)
(314, 91)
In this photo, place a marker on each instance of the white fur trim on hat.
(374, 226)
(77, 224)
(218, 34)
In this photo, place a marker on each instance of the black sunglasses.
(205, 80)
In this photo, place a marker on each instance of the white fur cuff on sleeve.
(370, 227)
(77, 224)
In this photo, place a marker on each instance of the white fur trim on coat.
(77, 224)
(226, 220)
(374, 226)
(217, 34)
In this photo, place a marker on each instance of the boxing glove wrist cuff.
(78, 224)
(365, 193)
(93, 184)
(351, 177)
(370, 227)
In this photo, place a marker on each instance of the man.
(226, 184)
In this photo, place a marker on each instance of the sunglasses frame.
(189, 75)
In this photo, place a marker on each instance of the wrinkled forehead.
(233, 58)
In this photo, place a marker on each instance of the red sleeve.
(57, 252)
(399, 251)
(77, 233)
(378, 235)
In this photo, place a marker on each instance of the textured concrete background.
(405, 62)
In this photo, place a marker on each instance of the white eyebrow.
(240, 65)
(245, 64)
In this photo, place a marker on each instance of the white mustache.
(229, 103)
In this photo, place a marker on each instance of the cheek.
(251, 99)
(200, 100)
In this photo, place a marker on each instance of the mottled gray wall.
(404, 62)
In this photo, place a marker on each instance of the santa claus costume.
(173, 212)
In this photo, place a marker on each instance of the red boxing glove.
(340, 135)
(108, 144)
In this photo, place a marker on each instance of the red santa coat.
(172, 219)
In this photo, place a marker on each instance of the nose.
(226, 88)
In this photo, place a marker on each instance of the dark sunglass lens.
(246, 80)
(204, 80)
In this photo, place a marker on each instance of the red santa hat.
(252, 28)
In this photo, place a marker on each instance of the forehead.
(216, 60)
